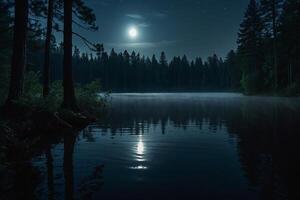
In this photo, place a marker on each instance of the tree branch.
(88, 43)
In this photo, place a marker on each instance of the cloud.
(159, 14)
(102, 3)
(142, 45)
(134, 16)
(156, 14)
(143, 25)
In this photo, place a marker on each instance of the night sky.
(191, 27)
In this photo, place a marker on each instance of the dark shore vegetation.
(35, 109)
(23, 97)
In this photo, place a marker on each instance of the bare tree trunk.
(18, 60)
(68, 84)
(46, 88)
(275, 59)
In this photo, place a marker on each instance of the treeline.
(133, 72)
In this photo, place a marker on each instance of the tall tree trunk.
(46, 88)
(69, 93)
(275, 59)
(18, 60)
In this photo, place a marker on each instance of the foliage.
(32, 86)
(249, 41)
(87, 94)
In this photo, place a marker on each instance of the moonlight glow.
(133, 32)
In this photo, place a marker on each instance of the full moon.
(133, 32)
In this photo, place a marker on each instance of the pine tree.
(234, 72)
(163, 70)
(155, 74)
(270, 12)
(76, 54)
(185, 71)
(199, 76)
(290, 41)
(163, 59)
(249, 43)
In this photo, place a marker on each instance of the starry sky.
(178, 27)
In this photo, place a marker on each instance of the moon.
(133, 32)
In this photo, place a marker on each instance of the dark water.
(179, 146)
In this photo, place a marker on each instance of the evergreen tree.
(290, 42)
(155, 74)
(184, 72)
(234, 72)
(200, 75)
(249, 45)
(163, 70)
(163, 59)
(270, 11)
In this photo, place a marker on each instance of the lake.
(179, 146)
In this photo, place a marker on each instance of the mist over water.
(180, 146)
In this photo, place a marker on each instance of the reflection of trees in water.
(137, 116)
(22, 178)
(91, 184)
(50, 175)
(267, 135)
(267, 146)
(69, 142)
(88, 185)
(266, 131)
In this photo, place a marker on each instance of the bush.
(87, 96)
(32, 85)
